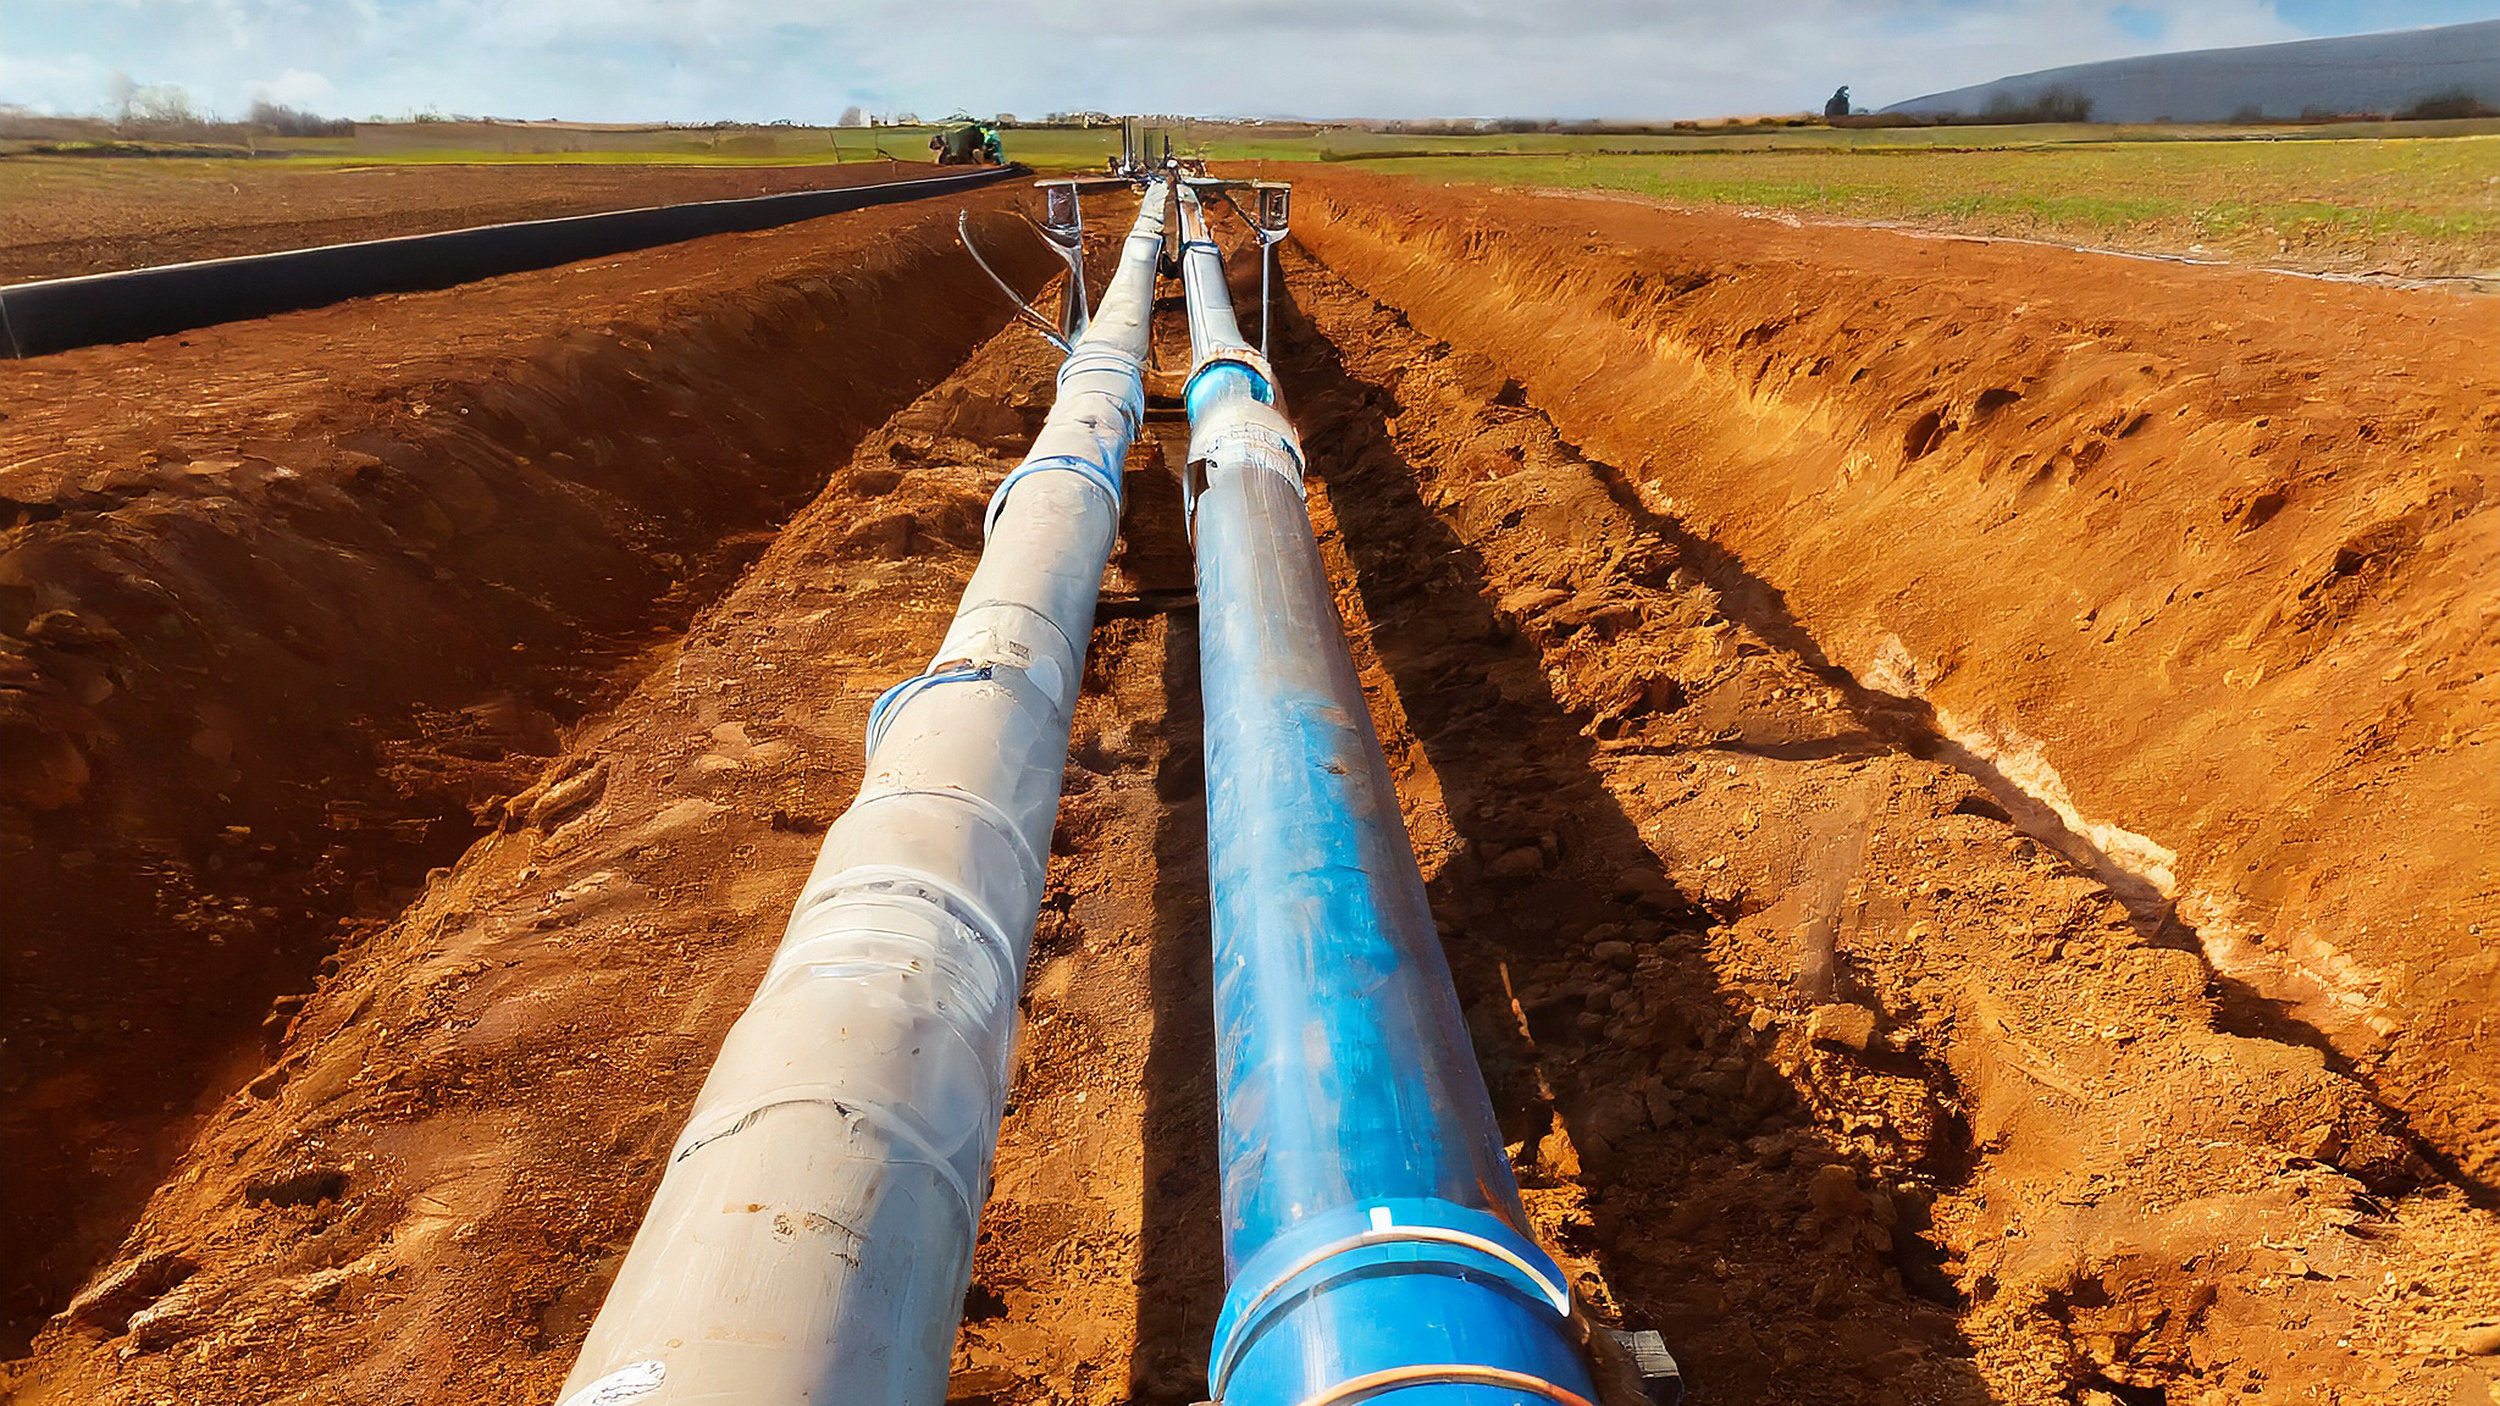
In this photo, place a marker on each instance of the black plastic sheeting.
(60, 313)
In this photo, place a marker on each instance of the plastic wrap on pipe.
(811, 1238)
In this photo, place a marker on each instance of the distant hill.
(2396, 72)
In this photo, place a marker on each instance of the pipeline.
(1373, 1237)
(811, 1238)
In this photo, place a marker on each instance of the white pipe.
(811, 1238)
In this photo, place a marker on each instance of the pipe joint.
(869, 919)
(892, 1008)
(1252, 367)
(1010, 635)
(1240, 435)
(917, 833)
(881, 713)
(1101, 478)
(1096, 356)
(1402, 1236)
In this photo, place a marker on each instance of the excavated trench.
(1830, 1042)
(266, 657)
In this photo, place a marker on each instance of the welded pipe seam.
(1249, 359)
(892, 1118)
(984, 648)
(1091, 358)
(877, 893)
(898, 693)
(868, 932)
(952, 900)
(850, 944)
(905, 829)
(1086, 470)
(987, 636)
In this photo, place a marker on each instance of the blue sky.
(698, 60)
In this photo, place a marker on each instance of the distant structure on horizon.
(2447, 70)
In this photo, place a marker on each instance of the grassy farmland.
(2419, 199)
(2414, 198)
(2423, 206)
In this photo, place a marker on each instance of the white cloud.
(756, 59)
(296, 88)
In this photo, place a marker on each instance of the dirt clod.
(1850, 1027)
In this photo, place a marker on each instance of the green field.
(2419, 199)
(2412, 198)
(2427, 206)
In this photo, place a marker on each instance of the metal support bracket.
(1063, 226)
(1024, 309)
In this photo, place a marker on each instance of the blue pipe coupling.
(1406, 1294)
(1204, 388)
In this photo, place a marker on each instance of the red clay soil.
(2198, 563)
(1822, 1045)
(75, 215)
(1838, 1078)
(285, 607)
(423, 1197)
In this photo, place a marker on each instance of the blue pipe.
(1373, 1237)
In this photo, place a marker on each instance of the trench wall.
(288, 607)
(2194, 564)
(424, 1193)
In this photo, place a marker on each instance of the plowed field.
(71, 215)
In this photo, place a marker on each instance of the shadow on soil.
(1910, 724)
(1701, 1213)
(1180, 1282)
